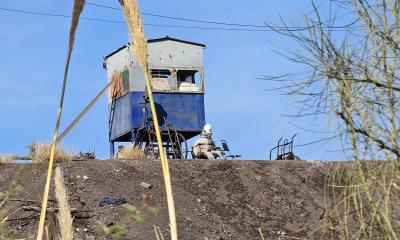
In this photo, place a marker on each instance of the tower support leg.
(112, 150)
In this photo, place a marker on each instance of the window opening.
(189, 80)
(162, 80)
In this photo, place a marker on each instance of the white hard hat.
(207, 129)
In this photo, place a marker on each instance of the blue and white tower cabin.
(177, 78)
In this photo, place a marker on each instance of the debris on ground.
(112, 201)
(145, 185)
(213, 199)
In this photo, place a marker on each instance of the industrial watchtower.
(177, 78)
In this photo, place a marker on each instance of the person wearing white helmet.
(207, 131)
(204, 147)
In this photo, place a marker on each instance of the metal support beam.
(112, 150)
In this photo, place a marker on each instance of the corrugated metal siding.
(185, 111)
(122, 119)
(174, 54)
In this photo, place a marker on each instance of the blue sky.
(33, 50)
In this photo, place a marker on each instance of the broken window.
(189, 80)
(162, 80)
(124, 81)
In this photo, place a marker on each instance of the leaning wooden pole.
(139, 48)
(76, 12)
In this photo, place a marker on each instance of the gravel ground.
(213, 199)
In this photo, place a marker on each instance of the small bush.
(130, 153)
(115, 231)
(40, 152)
(6, 158)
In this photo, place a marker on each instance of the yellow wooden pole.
(139, 48)
(164, 163)
(76, 12)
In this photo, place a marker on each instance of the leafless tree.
(351, 56)
(354, 72)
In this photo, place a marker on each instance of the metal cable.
(84, 111)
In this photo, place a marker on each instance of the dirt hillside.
(214, 199)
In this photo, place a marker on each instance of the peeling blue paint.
(184, 110)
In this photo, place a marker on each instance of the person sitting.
(204, 147)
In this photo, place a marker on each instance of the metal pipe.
(112, 149)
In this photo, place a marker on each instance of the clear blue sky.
(33, 50)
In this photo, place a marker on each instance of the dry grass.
(350, 213)
(137, 36)
(6, 231)
(135, 25)
(64, 212)
(130, 153)
(47, 155)
(157, 231)
(6, 158)
(40, 152)
(77, 10)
